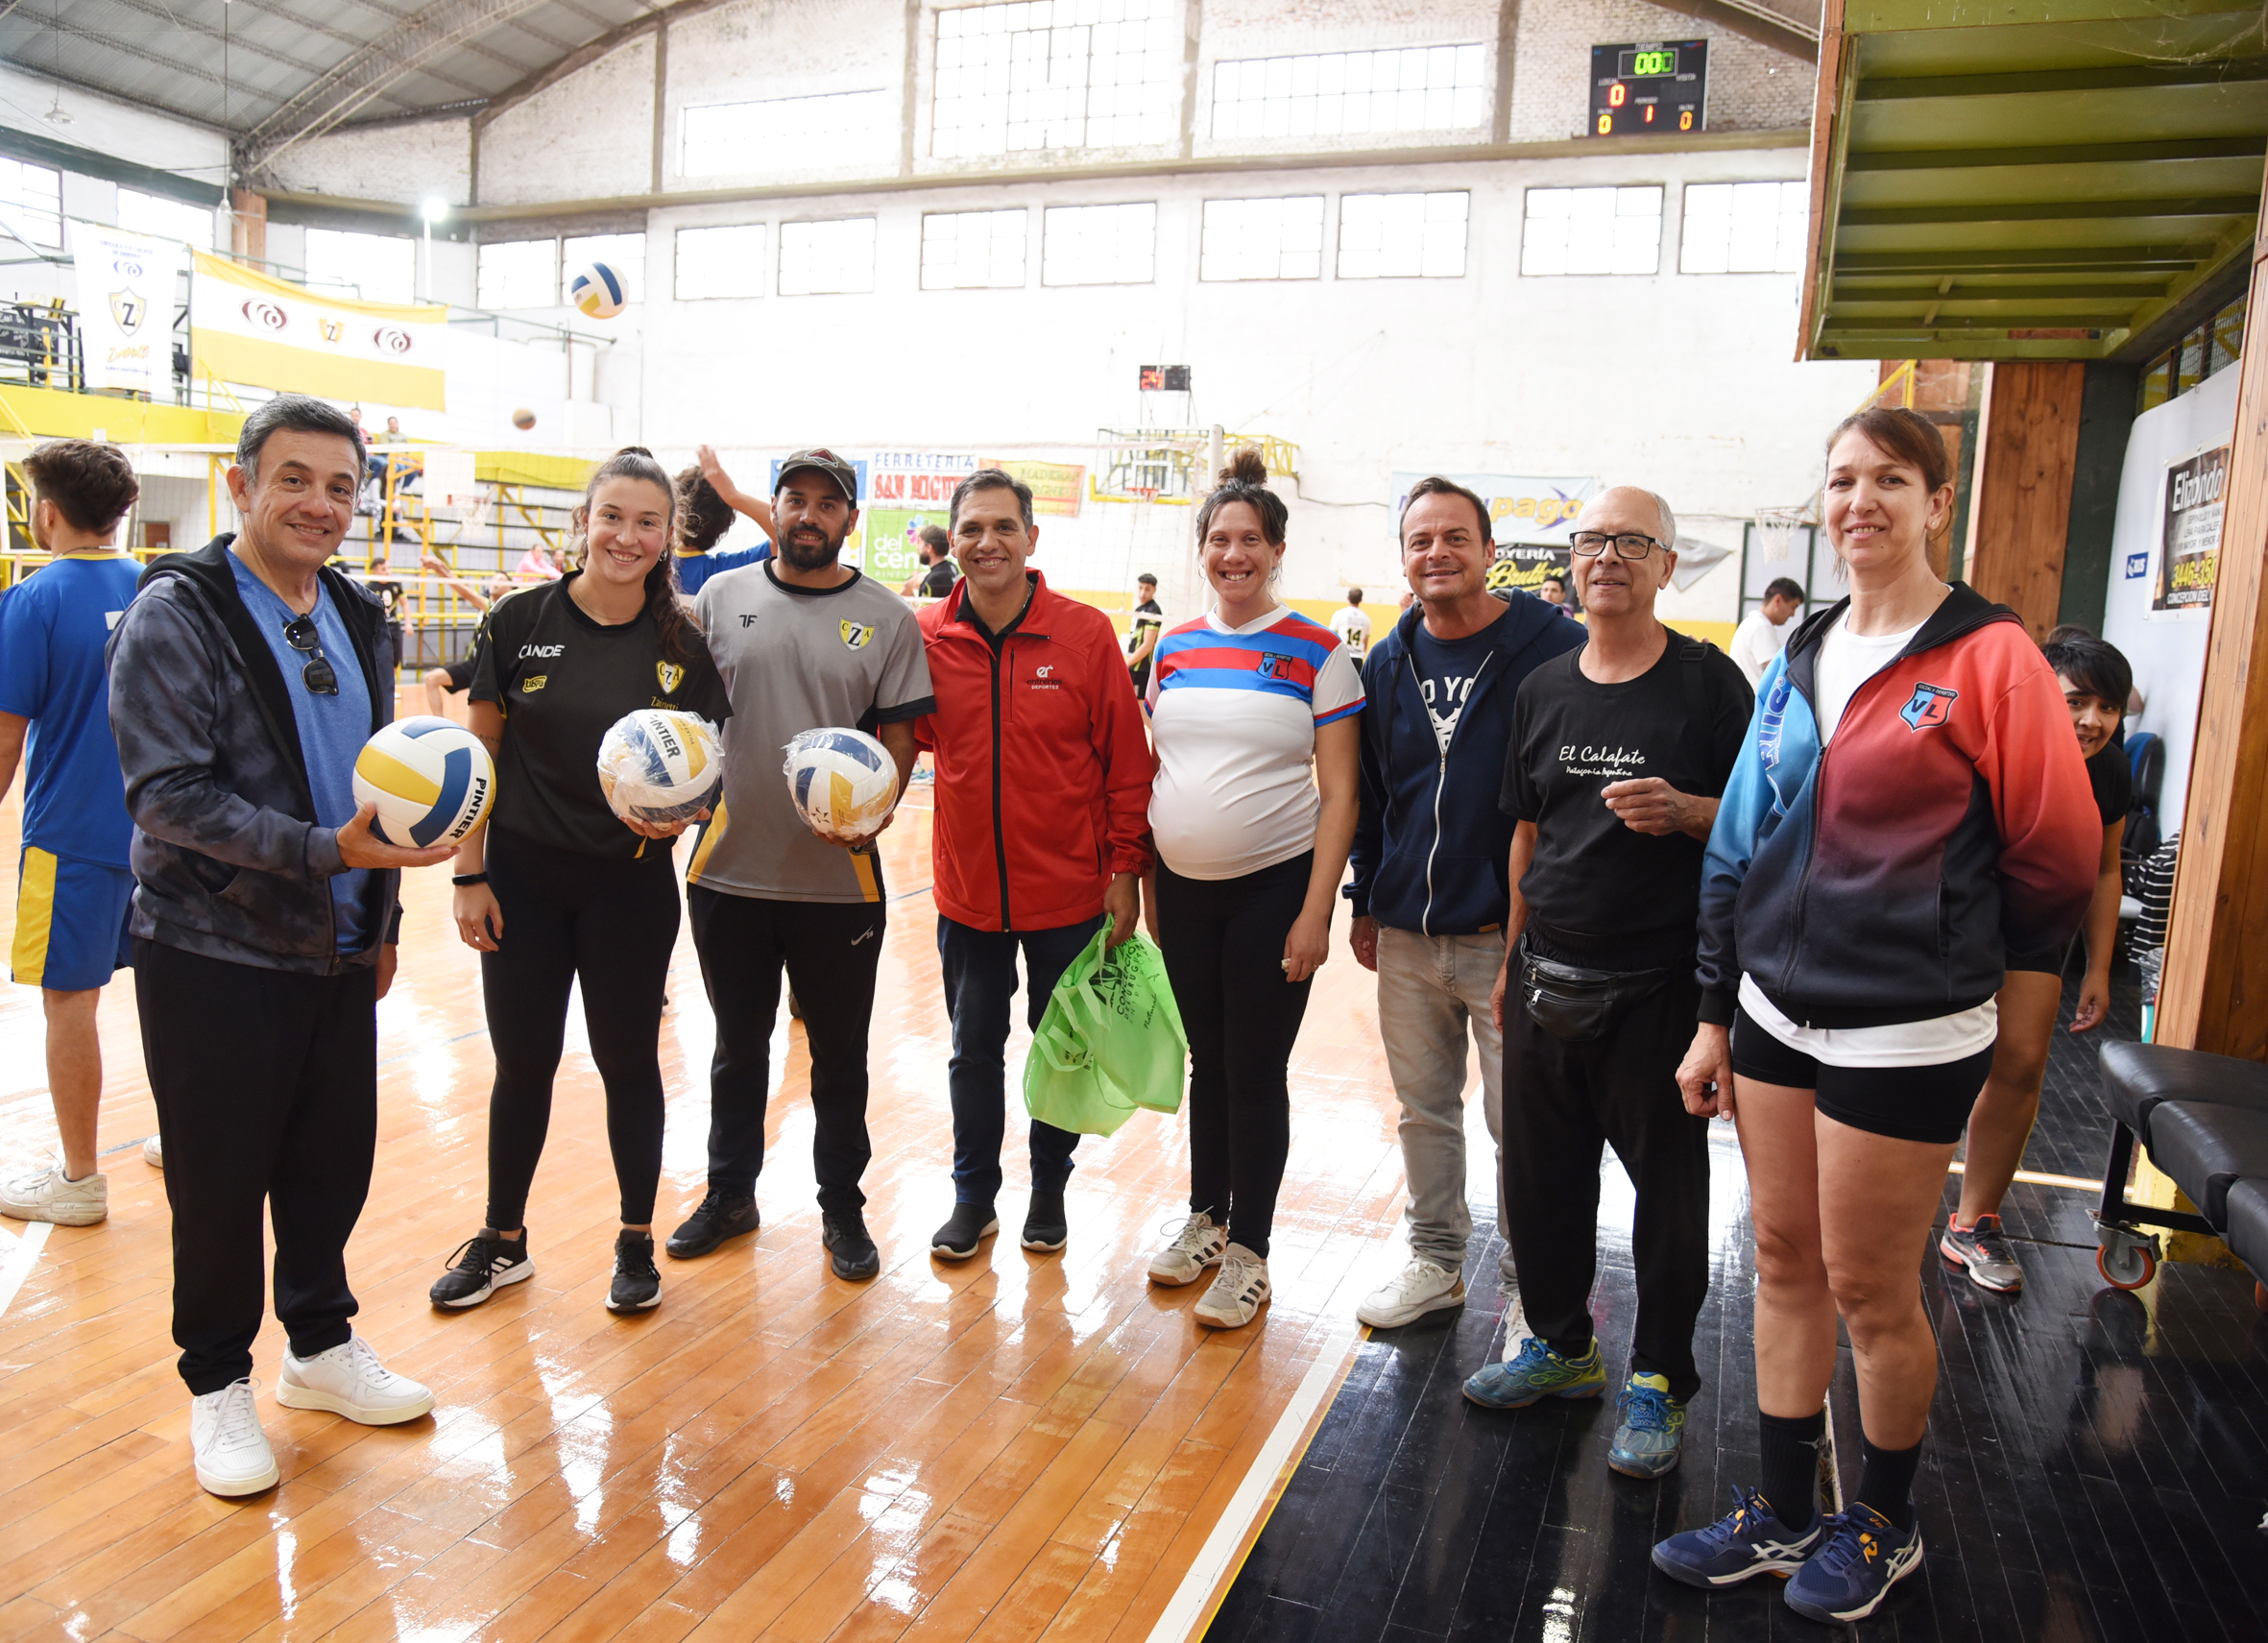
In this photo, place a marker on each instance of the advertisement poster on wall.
(1521, 509)
(2190, 536)
(905, 491)
(1057, 486)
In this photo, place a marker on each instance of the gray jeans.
(1430, 989)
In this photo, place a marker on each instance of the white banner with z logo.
(126, 291)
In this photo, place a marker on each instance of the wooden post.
(2214, 991)
(2020, 502)
(247, 223)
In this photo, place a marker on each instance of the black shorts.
(1907, 1103)
(2049, 962)
(460, 675)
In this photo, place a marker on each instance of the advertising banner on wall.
(1057, 486)
(907, 490)
(126, 287)
(248, 327)
(2189, 535)
(1525, 565)
(1521, 509)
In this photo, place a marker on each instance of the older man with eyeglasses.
(245, 678)
(1618, 753)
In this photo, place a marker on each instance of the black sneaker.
(958, 1239)
(1045, 1227)
(850, 1252)
(638, 1286)
(482, 1264)
(722, 1215)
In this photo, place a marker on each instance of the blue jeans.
(979, 979)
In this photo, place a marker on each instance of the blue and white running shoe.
(1865, 1555)
(1746, 1541)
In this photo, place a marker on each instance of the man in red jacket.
(1042, 827)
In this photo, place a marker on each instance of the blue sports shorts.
(71, 922)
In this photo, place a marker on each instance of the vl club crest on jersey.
(1929, 704)
(1274, 665)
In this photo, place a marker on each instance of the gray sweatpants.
(1431, 989)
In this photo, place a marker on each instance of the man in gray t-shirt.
(803, 642)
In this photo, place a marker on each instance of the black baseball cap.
(844, 475)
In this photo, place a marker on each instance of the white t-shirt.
(1845, 661)
(1234, 713)
(1353, 627)
(1756, 642)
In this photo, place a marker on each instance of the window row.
(1729, 228)
(1039, 75)
(32, 207)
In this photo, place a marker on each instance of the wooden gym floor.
(1010, 1448)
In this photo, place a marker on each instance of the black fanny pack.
(1577, 1005)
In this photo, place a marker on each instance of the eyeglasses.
(1630, 546)
(318, 676)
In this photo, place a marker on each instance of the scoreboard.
(1649, 85)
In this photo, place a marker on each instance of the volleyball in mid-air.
(597, 291)
(431, 779)
(843, 781)
(660, 765)
(523, 418)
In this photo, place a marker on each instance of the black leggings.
(612, 922)
(1223, 942)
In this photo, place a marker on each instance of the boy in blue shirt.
(74, 885)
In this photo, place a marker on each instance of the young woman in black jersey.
(556, 886)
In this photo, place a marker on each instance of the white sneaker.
(154, 1152)
(348, 1380)
(1418, 1288)
(1197, 1246)
(48, 1197)
(232, 1453)
(1238, 1294)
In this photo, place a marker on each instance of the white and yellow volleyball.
(431, 779)
(843, 781)
(659, 765)
(597, 291)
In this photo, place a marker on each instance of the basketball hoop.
(1775, 531)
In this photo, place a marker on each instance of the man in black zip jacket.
(1429, 889)
(245, 678)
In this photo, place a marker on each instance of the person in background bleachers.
(452, 678)
(2096, 679)
(71, 903)
(705, 514)
(1764, 631)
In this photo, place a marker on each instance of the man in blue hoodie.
(1430, 859)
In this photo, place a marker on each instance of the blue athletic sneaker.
(1652, 1434)
(1864, 1557)
(1538, 1372)
(1747, 1540)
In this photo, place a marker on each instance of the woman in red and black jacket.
(1911, 809)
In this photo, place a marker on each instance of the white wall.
(2167, 652)
(1678, 382)
(409, 161)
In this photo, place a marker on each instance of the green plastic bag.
(1109, 1042)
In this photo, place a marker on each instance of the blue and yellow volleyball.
(659, 765)
(431, 778)
(843, 781)
(597, 291)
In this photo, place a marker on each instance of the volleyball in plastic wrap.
(659, 765)
(431, 779)
(843, 781)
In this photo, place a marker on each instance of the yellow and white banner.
(247, 327)
(126, 289)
